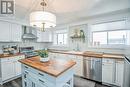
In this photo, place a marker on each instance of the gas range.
(28, 51)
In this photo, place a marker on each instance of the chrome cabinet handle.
(26, 72)
(25, 76)
(25, 83)
(26, 67)
(41, 81)
(33, 84)
(41, 74)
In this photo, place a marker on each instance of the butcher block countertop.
(91, 54)
(53, 67)
(10, 55)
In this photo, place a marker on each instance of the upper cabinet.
(16, 32)
(10, 32)
(5, 31)
(44, 36)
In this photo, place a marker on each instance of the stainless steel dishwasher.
(93, 68)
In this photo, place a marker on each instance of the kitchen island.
(55, 73)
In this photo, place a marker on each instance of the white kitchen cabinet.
(10, 68)
(108, 70)
(112, 71)
(44, 36)
(16, 32)
(7, 70)
(10, 32)
(119, 72)
(17, 68)
(5, 31)
(78, 68)
(79, 65)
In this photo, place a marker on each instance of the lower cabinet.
(10, 68)
(17, 68)
(34, 78)
(119, 72)
(78, 68)
(112, 71)
(108, 71)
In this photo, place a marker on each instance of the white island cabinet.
(10, 68)
(55, 73)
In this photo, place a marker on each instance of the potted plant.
(43, 55)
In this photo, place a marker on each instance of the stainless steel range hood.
(27, 33)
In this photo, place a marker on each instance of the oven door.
(127, 73)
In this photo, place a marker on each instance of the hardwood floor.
(78, 82)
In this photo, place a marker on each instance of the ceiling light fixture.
(42, 19)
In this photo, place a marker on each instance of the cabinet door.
(8, 70)
(79, 65)
(16, 32)
(5, 32)
(119, 72)
(18, 70)
(44, 36)
(108, 71)
(78, 68)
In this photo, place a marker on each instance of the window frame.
(110, 45)
(60, 31)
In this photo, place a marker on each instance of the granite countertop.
(53, 67)
(10, 55)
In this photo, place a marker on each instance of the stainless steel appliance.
(93, 68)
(28, 33)
(127, 72)
(28, 51)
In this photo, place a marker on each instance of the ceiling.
(69, 10)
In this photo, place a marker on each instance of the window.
(112, 33)
(100, 38)
(120, 37)
(117, 37)
(60, 37)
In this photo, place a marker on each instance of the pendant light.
(42, 19)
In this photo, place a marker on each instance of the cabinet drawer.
(39, 73)
(45, 82)
(7, 59)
